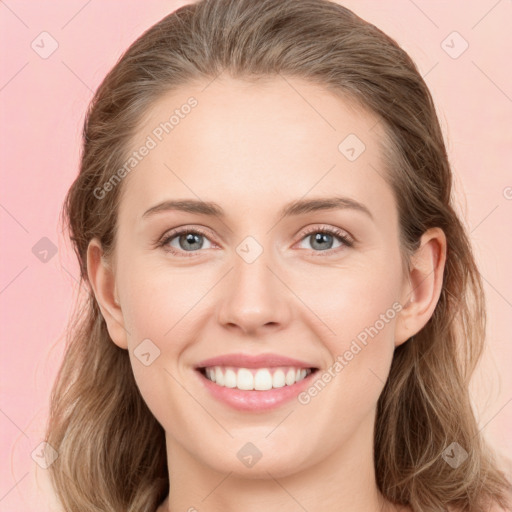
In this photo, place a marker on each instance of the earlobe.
(424, 285)
(102, 280)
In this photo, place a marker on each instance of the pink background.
(43, 105)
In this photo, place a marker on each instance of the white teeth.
(290, 377)
(219, 376)
(244, 379)
(278, 379)
(230, 379)
(261, 379)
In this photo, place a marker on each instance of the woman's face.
(255, 282)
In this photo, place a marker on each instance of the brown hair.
(111, 447)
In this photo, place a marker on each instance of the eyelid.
(346, 239)
(179, 230)
(333, 230)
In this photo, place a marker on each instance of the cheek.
(354, 299)
(361, 314)
(158, 310)
(158, 318)
(159, 300)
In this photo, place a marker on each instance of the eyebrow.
(298, 207)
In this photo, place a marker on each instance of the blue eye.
(323, 238)
(190, 241)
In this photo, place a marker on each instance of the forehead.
(250, 143)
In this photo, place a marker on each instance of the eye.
(187, 241)
(323, 239)
(183, 241)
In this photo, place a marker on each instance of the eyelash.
(346, 240)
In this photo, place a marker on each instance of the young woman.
(284, 309)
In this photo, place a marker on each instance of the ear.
(423, 285)
(101, 278)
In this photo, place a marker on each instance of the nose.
(254, 297)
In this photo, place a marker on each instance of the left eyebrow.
(298, 207)
(302, 206)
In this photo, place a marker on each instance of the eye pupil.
(191, 238)
(321, 239)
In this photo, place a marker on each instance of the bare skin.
(252, 149)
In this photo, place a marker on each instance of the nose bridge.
(253, 296)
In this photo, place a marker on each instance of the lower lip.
(255, 400)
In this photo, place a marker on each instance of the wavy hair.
(110, 446)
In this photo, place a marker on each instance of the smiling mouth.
(259, 379)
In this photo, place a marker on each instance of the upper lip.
(253, 361)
